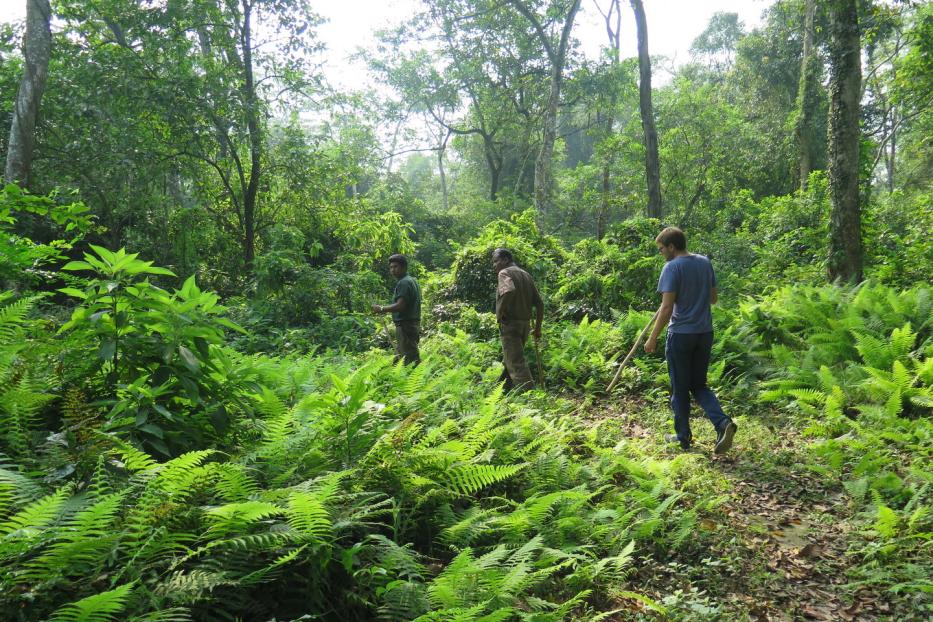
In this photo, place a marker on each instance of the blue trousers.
(687, 357)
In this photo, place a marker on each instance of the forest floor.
(782, 542)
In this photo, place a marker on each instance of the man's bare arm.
(397, 307)
(664, 316)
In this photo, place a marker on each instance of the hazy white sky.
(672, 27)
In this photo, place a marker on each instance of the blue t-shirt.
(691, 278)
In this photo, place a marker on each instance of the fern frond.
(873, 351)
(233, 483)
(399, 561)
(38, 514)
(902, 342)
(237, 516)
(266, 573)
(175, 614)
(190, 587)
(102, 607)
(468, 478)
(84, 542)
(13, 315)
(402, 601)
(308, 516)
(134, 460)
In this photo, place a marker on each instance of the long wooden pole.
(631, 352)
(538, 358)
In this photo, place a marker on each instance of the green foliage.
(615, 274)
(580, 356)
(102, 607)
(901, 252)
(23, 387)
(160, 353)
(851, 362)
(774, 239)
(472, 279)
(150, 472)
(21, 258)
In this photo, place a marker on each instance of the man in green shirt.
(516, 294)
(405, 310)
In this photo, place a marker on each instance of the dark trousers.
(514, 334)
(408, 334)
(687, 363)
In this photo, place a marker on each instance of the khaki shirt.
(516, 294)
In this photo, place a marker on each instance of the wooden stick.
(385, 327)
(631, 352)
(538, 358)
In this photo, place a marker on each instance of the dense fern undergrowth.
(346, 487)
(150, 471)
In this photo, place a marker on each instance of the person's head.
(398, 265)
(501, 259)
(671, 241)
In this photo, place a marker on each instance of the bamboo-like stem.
(631, 352)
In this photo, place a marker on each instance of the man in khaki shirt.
(516, 294)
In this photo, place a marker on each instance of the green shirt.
(408, 289)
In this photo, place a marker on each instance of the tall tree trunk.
(807, 92)
(543, 175)
(893, 149)
(495, 169)
(37, 48)
(602, 214)
(442, 149)
(845, 237)
(255, 141)
(652, 160)
(613, 33)
(544, 183)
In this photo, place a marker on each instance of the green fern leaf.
(175, 614)
(102, 607)
(309, 517)
(468, 478)
(37, 515)
(233, 517)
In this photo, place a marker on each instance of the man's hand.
(651, 345)
(376, 308)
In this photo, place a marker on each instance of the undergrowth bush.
(471, 278)
(856, 364)
(357, 487)
(617, 273)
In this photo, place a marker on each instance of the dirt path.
(781, 544)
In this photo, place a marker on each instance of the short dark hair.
(401, 260)
(672, 235)
(504, 253)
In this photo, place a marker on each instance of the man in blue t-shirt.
(688, 288)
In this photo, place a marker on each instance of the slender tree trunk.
(255, 141)
(544, 183)
(495, 168)
(440, 168)
(613, 33)
(807, 98)
(543, 175)
(652, 160)
(893, 149)
(845, 237)
(601, 215)
(37, 48)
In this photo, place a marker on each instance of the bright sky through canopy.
(672, 27)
